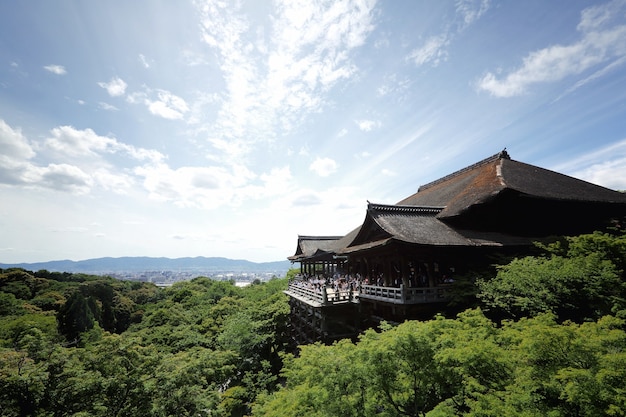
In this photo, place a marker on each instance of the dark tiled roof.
(543, 183)
(309, 246)
(488, 178)
(420, 226)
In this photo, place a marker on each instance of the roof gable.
(458, 191)
(410, 224)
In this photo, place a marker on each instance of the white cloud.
(309, 199)
(116, 87)
(13, 143)
(605, 166)
(80, 160)
(367, 125)
(598, 45)
(610, 174)
(433, 51)
(305, 150)
(116, 182)
(56, 69)
(64, 177)
(471, 10)
(598, 74)
(323, 166)
(213, 186)
(16, 151)
(144, 61)
(69, 142)
(167, 106)
(275, 76)
(595, 17)
(107, 106)
(393, 85)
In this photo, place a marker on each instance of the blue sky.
(225, 128)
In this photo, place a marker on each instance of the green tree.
(577, 281)
(10, 305)
(75, 317)
(188, 383)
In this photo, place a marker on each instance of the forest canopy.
(545, 336)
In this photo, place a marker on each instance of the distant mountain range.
(137, 264)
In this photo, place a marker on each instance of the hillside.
(142, 263)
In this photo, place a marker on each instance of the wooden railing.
(316, 296)
(404, 295)
(401, 295)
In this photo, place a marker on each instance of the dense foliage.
(461, 367)
(578, 278)
(77, 345)
(547, 338)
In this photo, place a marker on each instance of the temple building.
(401, 262)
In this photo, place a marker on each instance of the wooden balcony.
(327, 297)
(323, 297)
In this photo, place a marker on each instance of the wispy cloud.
(116, 87)
(471, 10)
(56, 69)
(602, 42)
(434, 49)
(279, 71)
(106, 106)
(604, 166)
(394, 85)
(144, 61)
(596, 75)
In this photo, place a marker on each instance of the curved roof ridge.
(500, 155)
(312, 237)
(404, 208)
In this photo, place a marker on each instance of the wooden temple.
(401, 262)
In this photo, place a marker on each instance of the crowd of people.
(339, 282)
(336, 283)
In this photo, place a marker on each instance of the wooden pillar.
(430, 274)
(404, 270)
